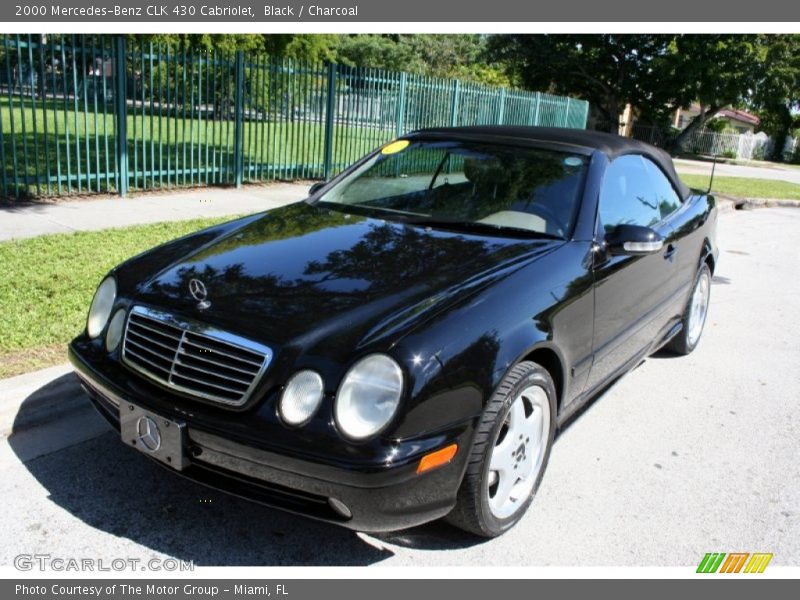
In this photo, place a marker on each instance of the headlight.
(301, 397)
(114, 333)
(368, 397)
(101, 307)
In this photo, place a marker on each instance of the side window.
(627, 196)
(665, 195)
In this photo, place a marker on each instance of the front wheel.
(694, 316)
(510, 453)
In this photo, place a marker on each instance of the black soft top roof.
(588, 141)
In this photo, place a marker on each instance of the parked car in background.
(404, 344)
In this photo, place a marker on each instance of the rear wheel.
(694, 317)
(510, 453)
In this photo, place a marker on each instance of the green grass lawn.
(48, 283)
(165, 151)
(744, 187)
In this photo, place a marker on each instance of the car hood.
(328, 282)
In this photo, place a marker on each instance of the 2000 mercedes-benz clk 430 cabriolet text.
(404, 344)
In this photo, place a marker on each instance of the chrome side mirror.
(633, 240)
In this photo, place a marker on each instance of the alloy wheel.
(518, 453)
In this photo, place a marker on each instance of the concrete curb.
(725, 205)
(730, 203)
(748, 203)
(34, 399)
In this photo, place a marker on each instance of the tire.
(689, 336)
(481, 508)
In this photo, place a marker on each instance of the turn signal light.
(437, 459)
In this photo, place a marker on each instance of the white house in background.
(739, 120)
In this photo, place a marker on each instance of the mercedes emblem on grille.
(198, 291)
(149, 435)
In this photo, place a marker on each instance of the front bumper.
(377, 497)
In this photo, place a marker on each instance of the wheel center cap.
(520, 453)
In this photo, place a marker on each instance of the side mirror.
(316, 187)
(633, 240)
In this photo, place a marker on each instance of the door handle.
(670, 252)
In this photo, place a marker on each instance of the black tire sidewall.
(687, 345)
(537, 376)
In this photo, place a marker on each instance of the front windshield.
(477, 184)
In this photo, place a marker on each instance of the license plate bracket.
(158, 437)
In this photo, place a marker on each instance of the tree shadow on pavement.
(113, 488)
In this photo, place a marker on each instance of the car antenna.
(713, 168)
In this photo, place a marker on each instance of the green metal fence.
(89, 114)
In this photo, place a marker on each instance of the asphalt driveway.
(681, 457)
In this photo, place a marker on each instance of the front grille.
(193, 359)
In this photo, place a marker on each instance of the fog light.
(339, 507)
(301, 397)
(114, 332)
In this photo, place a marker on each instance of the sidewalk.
(40, 218)
(774, 173)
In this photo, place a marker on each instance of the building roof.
(739, 115)
(587, 141)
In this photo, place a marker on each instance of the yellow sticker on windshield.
(395, 147)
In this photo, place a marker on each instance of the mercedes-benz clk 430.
(404, 344)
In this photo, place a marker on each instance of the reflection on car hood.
(328, 282)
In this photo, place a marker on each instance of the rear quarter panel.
(695, 227)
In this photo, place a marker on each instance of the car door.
(630, 291)
(682, 251)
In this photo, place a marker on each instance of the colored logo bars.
(734, 562)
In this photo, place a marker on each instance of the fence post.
(238, 134)
(454, 104)
(566, 114)
(502, 116)
(401, 105)
(329, 118)
(121, 113)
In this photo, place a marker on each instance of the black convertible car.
(404, 344)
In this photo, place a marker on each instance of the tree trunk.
(610, 112)
(611, 126)
(705, 112)
(780, 135)
(777, 147)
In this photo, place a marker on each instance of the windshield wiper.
(479, 227)
(373, 212)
